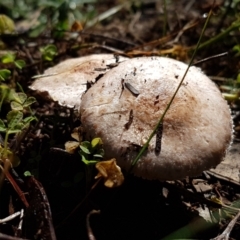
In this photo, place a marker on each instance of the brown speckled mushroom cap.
(124, 106)
(66, 82)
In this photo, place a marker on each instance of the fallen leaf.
(71, 146)
(229, 169)
(110, 172)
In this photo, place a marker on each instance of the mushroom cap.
(197, 129)
(66, 82)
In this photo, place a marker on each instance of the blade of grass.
(145, 146)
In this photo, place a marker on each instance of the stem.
(145, 146)
(5, 146)
(17, 188)
(20, 87)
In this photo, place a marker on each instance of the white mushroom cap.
(66, 82)
(197, 129)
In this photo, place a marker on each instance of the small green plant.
(11, 58)
(4, 74)
(15, 122)
(21, 101)
(91, 152)
(6, 94)
(48, 52)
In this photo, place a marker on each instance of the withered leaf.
(110, 172)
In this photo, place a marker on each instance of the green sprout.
(11, 58)
(48, 52)
(4, 74)
(21, 101)
(15, 123)
(91, 152)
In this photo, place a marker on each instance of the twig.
(227, 231)
(221, 177)
(210, 58)
(6, 237)
(19, 229)
(89, 229)
(16, 188)
(9, 218)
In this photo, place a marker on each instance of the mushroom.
(124, 106)
(66, 82)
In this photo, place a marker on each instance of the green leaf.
(18, 126)
(14, 118)
(16, 106)
(6, 24)
(2, 126)
(84, 160)
(20, 97)
(87, 162)
(96, 142)
(9, 93)
(29, 101)
(84, 149)
(51, 48)
(27, 174)
(100, 152)
(97, 156)
(28, 119)
(14, 131)
(236, 49)
(4, 74)
(48, 52)
(230, 96)
(8, 58)
(20, 63)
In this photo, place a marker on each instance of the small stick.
(227, 231)
(89, 229)
(210, 58)
(9, 218)
(17, 188)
